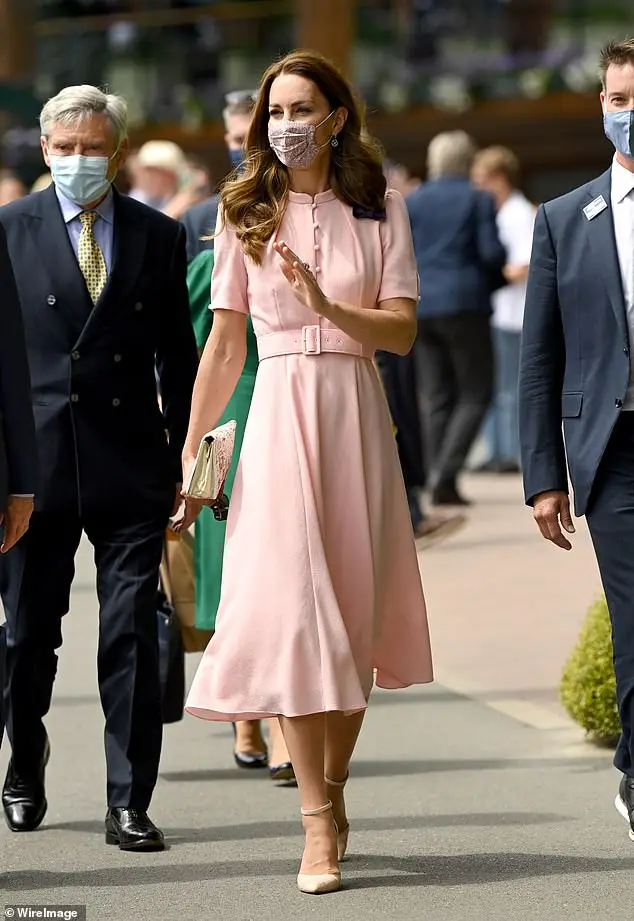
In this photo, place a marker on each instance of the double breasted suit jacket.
(18, 454)
(575, 357)
(103, 441)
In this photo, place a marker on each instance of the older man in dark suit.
(18, 451)
(102, 282)
(576, 366)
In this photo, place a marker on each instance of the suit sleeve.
(542, 363)
(177, 357)
(16, 410)
(490, 250)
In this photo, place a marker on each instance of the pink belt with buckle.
(310, 340)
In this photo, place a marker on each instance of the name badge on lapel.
(595, 207)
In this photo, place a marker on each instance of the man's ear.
(124, 152)
(45, 153)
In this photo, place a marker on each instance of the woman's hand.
(302, 280)
(190, 509)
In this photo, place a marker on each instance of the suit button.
(116, 402)
(618, 403)
(75, 356)
(138, 307)
(51, 299)
(117, 358)
(74, 398)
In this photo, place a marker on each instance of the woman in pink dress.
(321, 589)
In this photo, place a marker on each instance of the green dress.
(210, 534)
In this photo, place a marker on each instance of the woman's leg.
(306, 740)
(249, 738)
(278, 752)
(342, 733)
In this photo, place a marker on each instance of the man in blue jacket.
(576, 366)
(460, 260)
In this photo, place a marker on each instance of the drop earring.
(334, 142)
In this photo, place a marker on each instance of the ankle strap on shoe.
(319, 811)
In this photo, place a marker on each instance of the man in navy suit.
(459, 258)
(102, 285)
(576, 365)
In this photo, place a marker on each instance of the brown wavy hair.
(255, 200)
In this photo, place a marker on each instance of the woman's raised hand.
(301, 280)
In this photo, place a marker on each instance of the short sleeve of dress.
(229, 284)
(399, 276)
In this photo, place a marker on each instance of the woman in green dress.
(250, 750)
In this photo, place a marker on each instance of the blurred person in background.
(42, 182)
(497, 170)
(200, 220)
(11, 187)
(159, 170)
(102, 284)
(458, 251)
(321, 584)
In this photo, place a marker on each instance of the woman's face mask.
(295, 143)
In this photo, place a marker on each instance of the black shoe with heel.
(249, 760)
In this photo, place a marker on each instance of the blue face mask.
(237, 158)
(619, 128)
(82, 180)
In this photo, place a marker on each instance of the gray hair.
(76, 103)
(450, 152)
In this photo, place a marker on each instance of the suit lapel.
(129, 243)
(600, 230)
(54, 248)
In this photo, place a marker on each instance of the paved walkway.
(471, 800)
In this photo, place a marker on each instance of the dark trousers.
(35, 582)
(610, 519)
(457, 356)
(398, 373)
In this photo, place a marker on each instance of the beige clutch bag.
(212, 465)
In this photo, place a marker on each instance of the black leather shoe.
(133, 830)
(624, 802)
(24, 798)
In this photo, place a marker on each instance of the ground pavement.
(471, 800)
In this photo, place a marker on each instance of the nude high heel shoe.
(342, 833)
(319, 883)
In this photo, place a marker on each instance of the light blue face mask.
(81, 179)
(619, 128)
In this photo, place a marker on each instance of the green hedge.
(588, 685)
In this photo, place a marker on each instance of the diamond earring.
(334, 141)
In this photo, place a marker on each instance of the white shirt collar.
(622, 181)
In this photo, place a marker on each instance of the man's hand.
(16, 521)
(549, 510)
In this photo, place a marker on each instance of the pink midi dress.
(321, 590)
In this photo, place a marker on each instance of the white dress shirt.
(622, 199)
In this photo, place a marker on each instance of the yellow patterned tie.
(91, 259)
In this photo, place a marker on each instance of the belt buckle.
(311, 340)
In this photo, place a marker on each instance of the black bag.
(171, 661)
